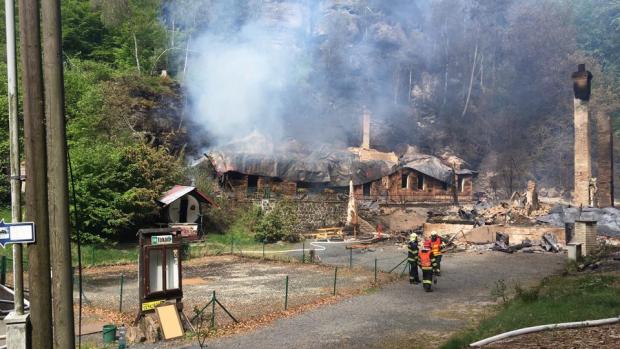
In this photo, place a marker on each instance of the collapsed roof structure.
(254, 164)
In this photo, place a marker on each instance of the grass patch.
(214, 244)
(93, 255)
(556, 299)
(5, 213)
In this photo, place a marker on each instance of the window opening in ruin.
(366, 189)
(252, 184)
(445, 186)
(308, 187)
(421, 183)
(235, 176)
(404, 181)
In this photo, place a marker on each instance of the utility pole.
(36, 174)
(16, 183)
(58, 187)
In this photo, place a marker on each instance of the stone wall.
(313, 214)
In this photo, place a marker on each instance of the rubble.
(608, 219)
(549, 243)
(531, 196)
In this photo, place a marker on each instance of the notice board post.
(160, 269)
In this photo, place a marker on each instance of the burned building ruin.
(297, 172)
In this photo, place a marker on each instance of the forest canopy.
(483, 79)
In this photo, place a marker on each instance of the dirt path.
(398, 315)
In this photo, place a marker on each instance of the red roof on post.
(179, 191)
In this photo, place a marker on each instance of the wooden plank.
(170, 321)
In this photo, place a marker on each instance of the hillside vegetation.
(488, 80)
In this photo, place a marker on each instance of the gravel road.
(399, 315)
(248, 287)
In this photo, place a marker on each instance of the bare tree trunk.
(410, 82)
(396, 85)
(135, 46)
(189, 39)
(445, 77)
(172, 36)
(482, 72)
(471, 80)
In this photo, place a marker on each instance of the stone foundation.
(313, 214)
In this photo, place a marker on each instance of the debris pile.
(511, 213)
(608, 219)
(518, 210)
(548, 243)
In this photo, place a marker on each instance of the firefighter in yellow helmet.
(437, 245)
(412, 258)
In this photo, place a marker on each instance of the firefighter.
(437, 245)
(427, 263)
(412, 257)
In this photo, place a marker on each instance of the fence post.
(375, 271)
(351, 258)
(286, 295)
(3, 270)
(263, 249)
(120, 304)
(213, 310)
(335, 277)
(303, 251)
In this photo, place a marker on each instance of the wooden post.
(58, 184)
(36, 173)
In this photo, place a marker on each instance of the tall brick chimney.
(583, 164)
(605, 162)
(366, 129)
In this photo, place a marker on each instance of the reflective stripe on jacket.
(437, 245)
(413, 250)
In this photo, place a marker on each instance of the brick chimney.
(605, 162)
(366, 129)
(583, 164)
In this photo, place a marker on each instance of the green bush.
(278, 224)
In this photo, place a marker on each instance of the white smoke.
(236, 84)
(283, 69)
(239, 82)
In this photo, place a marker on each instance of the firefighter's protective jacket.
(426, 260)
(437, 245)
(412, 251)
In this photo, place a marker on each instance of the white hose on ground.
(560, 326)
(318, 245)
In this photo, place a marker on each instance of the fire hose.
(317, 244)
(564, 325)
